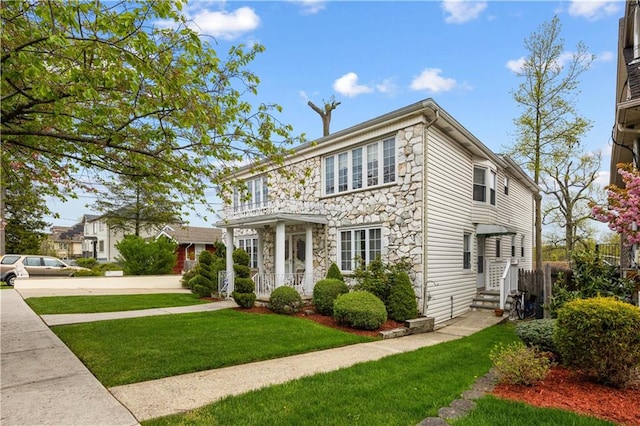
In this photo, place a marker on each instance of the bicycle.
(522, 307)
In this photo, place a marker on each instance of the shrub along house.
(411, 185)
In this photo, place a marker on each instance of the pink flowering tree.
(622, 212)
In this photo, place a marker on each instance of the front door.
(294, 254)
(480, 252)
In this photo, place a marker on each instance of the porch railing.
(272, 207)
(508, 281)
(267, 282)
(225, 284)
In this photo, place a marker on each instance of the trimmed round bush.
(244, 300)
(600, 338)
(360, 309)
(538, 334)
(285, 300)
(402, 304)
(334, 273)
(241, 271)
(186, 278)
(244, 285)
(325, 293)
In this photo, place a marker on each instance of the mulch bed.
(567, 390)
(308, 313)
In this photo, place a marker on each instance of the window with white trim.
(513, 246)
(522, 246)
(358, 245)
(498, 248)
(466, 251)
(363, 167)
(250, 245)
(484, 185)
(506, 186)
(257, 195)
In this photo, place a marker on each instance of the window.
(506, 186)
(513, 246)
(101, 246)
(522, 246)
(31, 261)
(257, 195)
(349, 167)
(498, 248)
(250, 245)
(359, 245)
(481, 191)
(101, 226)
(466, 252)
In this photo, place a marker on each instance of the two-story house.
(411, 185)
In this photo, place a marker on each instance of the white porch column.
(308, 259)
(279, 254)
(260, 251)
(229, 264)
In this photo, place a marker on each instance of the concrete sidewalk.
(43, 383)
(41, 380)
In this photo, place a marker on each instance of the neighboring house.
(626, 130)
(191, 242)
(412, 184)
(67, 241)
(100, 240)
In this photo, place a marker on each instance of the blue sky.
(375, 57)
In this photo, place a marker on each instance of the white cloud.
(310, 7)
(516, 65)
(348, 86)
(603, 178)
(225, 25)
(605, 56)
(460, 11)
(431, 80)
(387, 87)
(594, 9)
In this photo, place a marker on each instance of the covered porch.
(285, 250)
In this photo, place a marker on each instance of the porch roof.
(269, 220)
(492, 230)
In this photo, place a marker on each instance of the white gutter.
(425, 170)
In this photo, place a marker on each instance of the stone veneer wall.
(396, 207)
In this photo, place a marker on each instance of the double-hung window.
(363, 167)
(484, 185)
(256, 196)
(250, 245)
(358, 247)
(466, 251)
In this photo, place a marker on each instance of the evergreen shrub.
(285, 300)
(334, 273)
(360, 309)
(402, 304)
(325, 293)
(538, 334)
(517, 364)
(599, 337)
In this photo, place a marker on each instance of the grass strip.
(132, 350)
(110, 303)
(401, 389)
(492, 411)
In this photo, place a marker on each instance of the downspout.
(425, 263)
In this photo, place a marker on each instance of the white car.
(34, 265)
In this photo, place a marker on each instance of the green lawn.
(109, 303)
(493, 411)
(132, 350)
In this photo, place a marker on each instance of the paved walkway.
(92, 404)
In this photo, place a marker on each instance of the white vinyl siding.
(366, 166)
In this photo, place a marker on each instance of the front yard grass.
(124, 351)
(109, 303)
(401, 389)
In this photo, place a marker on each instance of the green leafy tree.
(24, 212)
(549, 122)
(132, 205)
(140, 257)
(103, 89)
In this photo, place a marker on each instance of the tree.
(549, 121)
(568, 184)
(24, 210)
(133, 204)
(128, 89)
(325, 113)
(622, 211)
